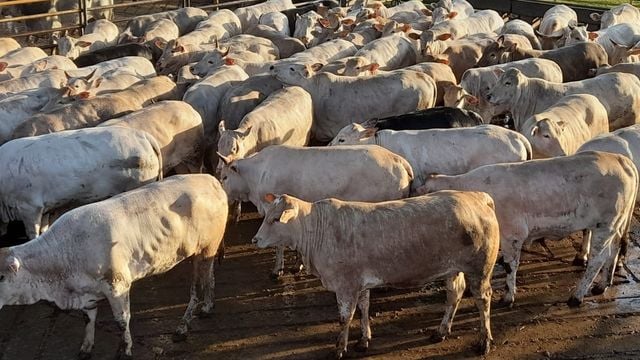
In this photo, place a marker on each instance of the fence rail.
(527, 9)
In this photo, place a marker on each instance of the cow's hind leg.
(365, 327)
(208, 280)
(606, 275)
(601, 251)
(181, 332)
(346, 307)
(455, 290)
(481, 289)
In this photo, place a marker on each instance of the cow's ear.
(452, 14)
(633, 51)
(226, 160)
(347, 22)
(84, 95)
(14, 264)
(269, 198)
(593, 35)
(368, 132)
(97, 82)
(443, 37)
(229, 61)
(472, 100)
(595, 16)
(3, 66)
(289, 214)
(317, 67)
(442, 61)
(414, 36)
(534, 131)
(84, 44)
(378, 27)
(498, 72)
(160, 44)
(373, 67)
(426, 12)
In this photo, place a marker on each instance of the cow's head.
(83, 87)
(493, 54)
(280, 225)
(11, 288)
(231, 144)
(232, 181)
(293, 73)
(546, 138)
(506, 86)
(358, 65)
(211, 61)
(353, 134)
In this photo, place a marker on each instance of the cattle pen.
(295, 317)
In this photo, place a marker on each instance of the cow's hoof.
(297, 270)
(83, 355)
(504, 303)
(484, 347)
(276, 275)
(362, 345)
(178, 337)
(436, 338)
(579, 262)
(598, 289)
(573, 302)
(340, 354)
(123, 356)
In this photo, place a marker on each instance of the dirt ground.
(295, 318)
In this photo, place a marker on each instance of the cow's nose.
(255, 240)
(488, 97)
(193, 71)
(272, 67)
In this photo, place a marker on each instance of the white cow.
(623, 13)
(393, 93)
(553, 24)
(443, 151)
(321, 172)
(276, 20)
(250, 15)
(88, 254)
(55, 172)
(103, 34)
(283, 118)
(593, 191)
(47, 63)
(525, 97)
(355, 246)
(178, 129)
(476, 84)
(563, 127)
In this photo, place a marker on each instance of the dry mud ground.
(295, 318)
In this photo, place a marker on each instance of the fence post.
(82, 15)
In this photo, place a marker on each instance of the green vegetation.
(595, 3)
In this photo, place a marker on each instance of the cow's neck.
(44, 274)
(314, 222)
(530, 98)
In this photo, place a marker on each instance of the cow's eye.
(224, 178)
(210, 62)
(341, 140)
(76, 86)
(1, 278)
(291, 69)
(546, 136)
(276, 220)
(508, 83)
(493, 56)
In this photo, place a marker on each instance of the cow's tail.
(158, 151)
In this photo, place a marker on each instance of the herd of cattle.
(408, 98)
